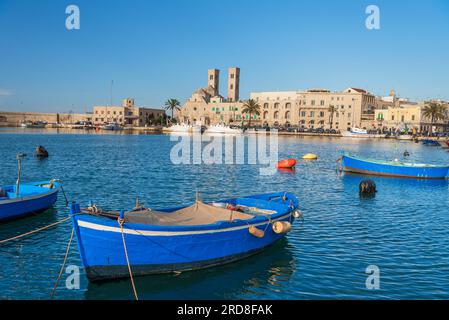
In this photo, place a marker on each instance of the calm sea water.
(403, 230)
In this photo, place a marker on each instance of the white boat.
(404, 137)
(36, 124)
(182, 127)
(112, 126)
(360, 133)
(222, 129)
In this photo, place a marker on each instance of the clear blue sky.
(154, 50)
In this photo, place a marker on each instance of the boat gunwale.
(34, 196)
(219, 225)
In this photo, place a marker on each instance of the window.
(321, 114)
(313, 102)
(287, 115)
(231, 87)
(392, 117)
(276, 105)
(312, 113)
(322, 103)
(276, 115)
(303, 113)
(413, 117)
(265, 115)
(232, 76)
(349, 114)
(211, 77)
(265, 105)
(402, 118)
(288, 105)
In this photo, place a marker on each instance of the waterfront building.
(307, 109)
(206, 106)
(311, 108)
(408, 116)
(127, 114)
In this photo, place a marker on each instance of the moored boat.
(404, 137)
(430, 142)
(34, 124)
(360, 133)
(29, 198)
(393, 168)
(180, 239)
(112, 126)
(222, 129)
(24, 199)
(179, 127)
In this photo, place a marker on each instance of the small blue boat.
(31, 198)
(393, 168)
(180, 239)
(429, 142)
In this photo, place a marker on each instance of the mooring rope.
(120, 222)
(63, 264)
(34, 231)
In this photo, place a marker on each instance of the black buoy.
(406, 153)
(367, 188)
(41, 152)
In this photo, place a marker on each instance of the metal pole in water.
(19, 158)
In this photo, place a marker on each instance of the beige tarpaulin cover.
(197, 214)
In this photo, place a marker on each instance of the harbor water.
(402, 230)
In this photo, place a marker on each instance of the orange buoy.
(286, 164)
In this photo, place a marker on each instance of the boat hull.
(361, 166)
(162, 249)
(16, 208)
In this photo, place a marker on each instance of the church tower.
(233, 84)
(213, 80)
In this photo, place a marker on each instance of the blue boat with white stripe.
(393, 168)
(180, 239)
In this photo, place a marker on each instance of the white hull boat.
(112, 127)
(222, 129)
(361, 133)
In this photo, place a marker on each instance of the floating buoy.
(297, 214)
(256, 232)
(310, 156)
(282, 227)
(41, 152)
(406, 153)
(367, 188)
(286, 164)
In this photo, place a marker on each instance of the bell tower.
(213, 80)
(233, 84)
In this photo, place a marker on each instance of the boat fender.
(256, 232)
(282, 227)
(297, 214)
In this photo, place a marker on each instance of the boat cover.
(197, 214)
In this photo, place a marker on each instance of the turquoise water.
(403, 230)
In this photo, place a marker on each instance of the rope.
(120, 222)
(65, 196)
(63, 264)
(34, 231)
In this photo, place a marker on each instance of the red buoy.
(286, 164)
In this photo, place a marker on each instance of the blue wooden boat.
(31, 198)
(393, 168)
(429, 142)
(180, 239)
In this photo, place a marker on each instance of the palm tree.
(172, 104)
(251, 107)
(332, 110)
(435, 111)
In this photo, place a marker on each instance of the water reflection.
(267, 271)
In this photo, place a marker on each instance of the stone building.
(206, 106)
(408, 116)
(127, 114)
(311, 108)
